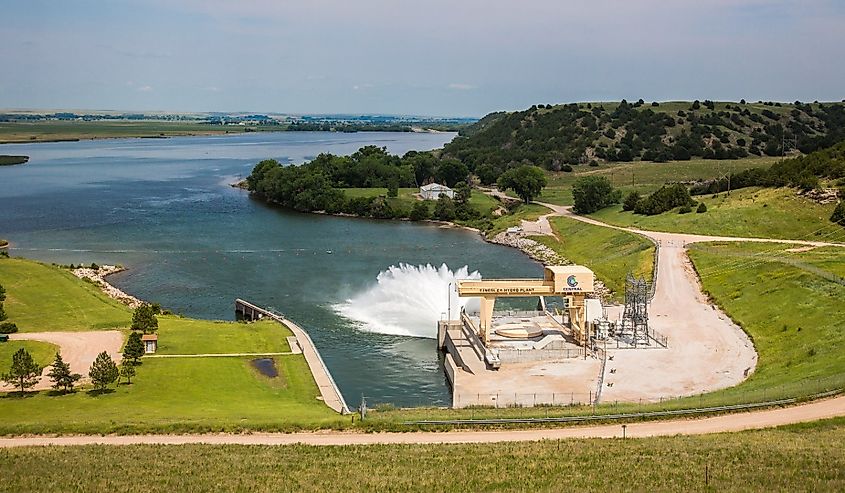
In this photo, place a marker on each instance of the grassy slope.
(794, 315)
(645, 177)
(795, 458)
(749, 212)
(189, 336)
(609, 252)
(42, 352)
(44, 298)
(167, 394)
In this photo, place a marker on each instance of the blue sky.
(435, 57)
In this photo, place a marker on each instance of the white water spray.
(409, 300)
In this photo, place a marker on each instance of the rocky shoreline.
(98, 277)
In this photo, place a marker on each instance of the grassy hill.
(805, 457)
(45, 298)
(558, 137)
(749, 212)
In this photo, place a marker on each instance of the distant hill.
(555, 137)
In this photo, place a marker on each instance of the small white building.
(432, 191)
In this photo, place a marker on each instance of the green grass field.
(42, 352)
(610, 253)
(70, 130)
(795, 458)
(180, 394)
(44, 298)
(645, 177)
(189, 336)
(749, 212)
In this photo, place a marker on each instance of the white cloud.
(145, 89)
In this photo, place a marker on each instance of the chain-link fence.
(504, 405)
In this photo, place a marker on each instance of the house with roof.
(432, 191)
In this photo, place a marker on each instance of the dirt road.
(79, 349)
(728, 423)
(706, 352)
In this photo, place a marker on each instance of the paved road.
(728, 423)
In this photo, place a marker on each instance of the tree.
(701, 208)
(592, 193)
(526, 181)
(143, 318)
(444, 209)
(103, 371)
(127, 371)
(2, 312)
(462, 193)
(451, 171)
(24, 372)
(420, 212)
(631, 201)
(839, 214)
(2, 293)
(8, 328)
(63, 379)
(134, 348)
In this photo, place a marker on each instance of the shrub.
(631, 201)
(666, 198)
(591, 193)
(685, 209)
(420, 212)
(701, 208)
(444, 209)
(2, 312)
(567, 168)
(8, 328)
(838, 215)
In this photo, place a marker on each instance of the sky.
(433, 57)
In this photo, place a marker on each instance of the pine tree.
(24, 372)
(103, 371)
(134, 348)
(2, 312)
(63, 379)
(143, 318)
(2, 293)
(127, 370)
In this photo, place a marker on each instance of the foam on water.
(408, 300)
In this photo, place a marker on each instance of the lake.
(164, 208)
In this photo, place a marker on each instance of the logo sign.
(572, 282)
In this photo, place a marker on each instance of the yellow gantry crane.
(572, 282)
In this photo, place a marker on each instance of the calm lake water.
(164, 209)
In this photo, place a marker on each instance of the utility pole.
(449, 301)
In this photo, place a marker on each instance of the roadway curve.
(707, 351)
(823, 409)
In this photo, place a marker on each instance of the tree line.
(559, 137)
